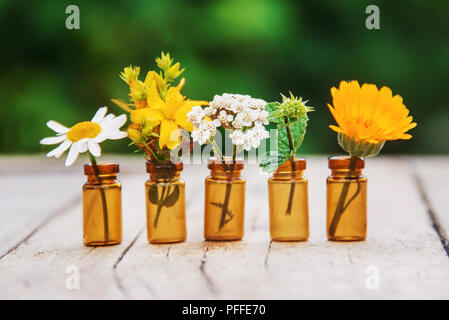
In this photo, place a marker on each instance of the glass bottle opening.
(289, 168)
(346, 166)
(103, 168)
(164, 171)
(226, 168)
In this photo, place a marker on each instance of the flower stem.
(341, 207)
(224, 211)
(93, 161)
(292, 162)
(151, 151)
(216, 150)
(161, 204)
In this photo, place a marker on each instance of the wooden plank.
(432, 178)
(35, 189)
(168, 271)
(171, 271)
(31, 198)
(236, 270)
(37, 269)
(402, 247)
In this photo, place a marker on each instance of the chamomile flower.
(85, 136)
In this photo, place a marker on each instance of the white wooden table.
(405, 255)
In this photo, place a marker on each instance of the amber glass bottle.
(346, 199)
(288, 202)
(165, 201)
(102, 205)
(224, 201)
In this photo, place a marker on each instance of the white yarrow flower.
(243, 115)
(86, 135)
(237, 137)
(196, 115)
(200, 136)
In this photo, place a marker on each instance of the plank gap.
(210, 285)
(267, 256)
(64, 208)
(117, 279)
(439, 229)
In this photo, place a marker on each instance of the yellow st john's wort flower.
(367, 117)
(86, 135)
(170, 113)
(130, 74)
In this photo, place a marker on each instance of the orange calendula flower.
(368, 114)
(367, 117)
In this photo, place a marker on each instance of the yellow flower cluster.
(158, 109)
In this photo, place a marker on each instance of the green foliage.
(274, 158)
(167, 198)
(359, 148)
(256, 47)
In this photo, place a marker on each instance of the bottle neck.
(165, 176)
(290, 169)
(164, 172)
(102, 179)
(346, 167)
(287, 174)
(225, 169)
(346, 173)
(221, 174)
(102, 173)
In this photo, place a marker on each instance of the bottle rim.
(213, 163)
(344, 162)
(101, 168)
(158, 167)
(300, 164)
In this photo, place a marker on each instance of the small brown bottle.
(224, 208)
(346, 199)
(288, 202)
(102, 205)
(165, 203)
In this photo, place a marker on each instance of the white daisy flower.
(85, 136)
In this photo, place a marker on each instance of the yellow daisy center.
(82, 130)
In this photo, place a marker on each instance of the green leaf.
(269, 161)
(273, 159)
(271, 106)
(153, 194)
(172, 198)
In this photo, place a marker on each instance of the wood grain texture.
(41, 236)
(432, 179)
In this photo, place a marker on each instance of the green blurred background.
(255, 47)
